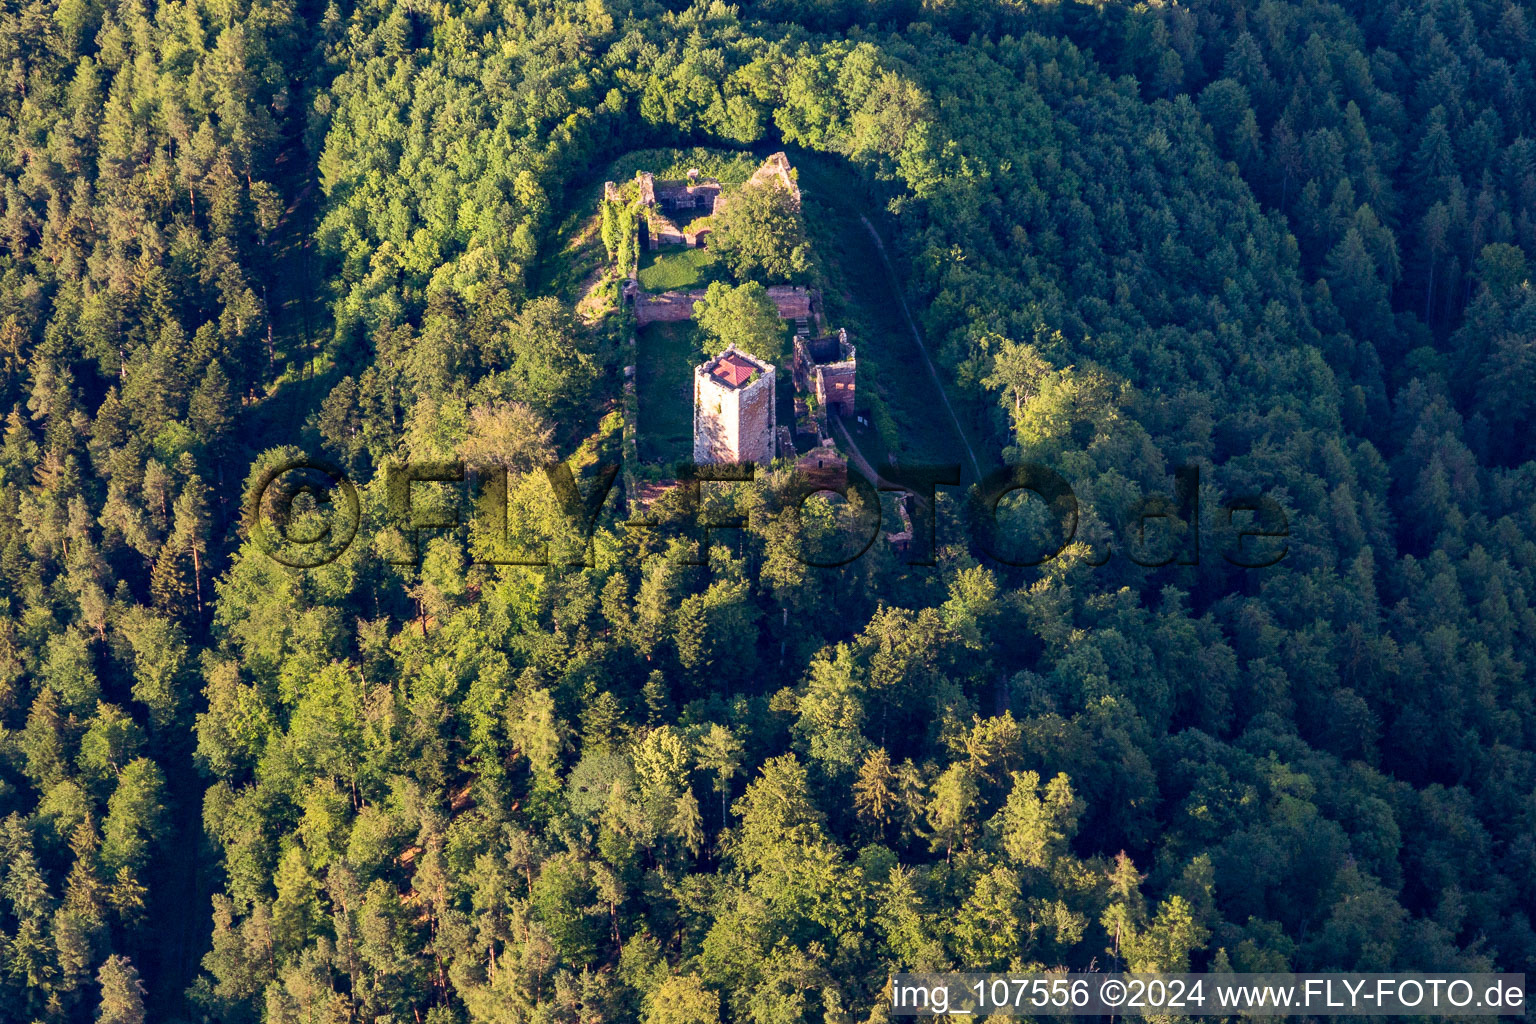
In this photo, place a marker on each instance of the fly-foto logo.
(306, 513)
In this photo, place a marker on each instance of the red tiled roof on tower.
(733, 370)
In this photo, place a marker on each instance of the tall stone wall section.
(835, 387)
(792, 301)
(668, 307)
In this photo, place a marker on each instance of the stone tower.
(733, 409)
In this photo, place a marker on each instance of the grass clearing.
(677, 269)
(665, 355)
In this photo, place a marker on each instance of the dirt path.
(591, 302)
(922, 346)
(856, 456)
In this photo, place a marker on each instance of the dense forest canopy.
(683, 777)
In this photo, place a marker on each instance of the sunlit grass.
(664, 359)
(676, 269)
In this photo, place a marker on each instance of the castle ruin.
(678, 212)
(734, 413)
(824, 371)
(825, 367)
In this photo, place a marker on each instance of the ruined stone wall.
(650, 307)
(776, 169)
(834, 387)
(662, 230)
(824, 468)
(667, 307)
(793, 301)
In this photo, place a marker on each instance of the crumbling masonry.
(824, 369)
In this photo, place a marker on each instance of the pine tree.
(169, 588)
(190, 531)
(122, 993)
(720, 752)
(211, 409)
(949, 810)
(874, 798)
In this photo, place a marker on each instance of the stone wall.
(776, 169)
(835, 387)
(756, 420)
(793, 301)
(667, 307)
(662, 231)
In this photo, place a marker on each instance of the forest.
(680, 776)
